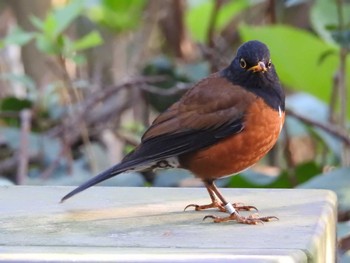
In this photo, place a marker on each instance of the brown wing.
(209, 104)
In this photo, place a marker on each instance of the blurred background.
(81, 80)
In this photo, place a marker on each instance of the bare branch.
(327, 128)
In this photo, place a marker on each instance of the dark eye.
(242, 63)
(269, 64)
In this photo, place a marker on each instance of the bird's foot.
(253, 219)
(221, 207)
(243, 207)
(214, 204)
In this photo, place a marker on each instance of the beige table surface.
(108, 224)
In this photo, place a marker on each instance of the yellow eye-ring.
(242, 63)
(269, 64)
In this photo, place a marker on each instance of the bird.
(221, 126)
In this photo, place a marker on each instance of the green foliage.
(13, 104)
(162, 66)
(121, 15)
(198, 17)
(336, 180)
(251, 179)
(88, 41)
(50, 37)
(58, 20)
(325, 21)
(51, 40)
(16, 37)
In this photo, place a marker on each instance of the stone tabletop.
(109, 224)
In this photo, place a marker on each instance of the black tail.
(113, 171)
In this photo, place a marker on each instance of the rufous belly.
(236, 153)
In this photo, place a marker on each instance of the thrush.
(221, 126)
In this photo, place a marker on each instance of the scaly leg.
(216, 203)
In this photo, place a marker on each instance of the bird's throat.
(264, 85)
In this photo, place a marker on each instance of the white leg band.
(229, 208)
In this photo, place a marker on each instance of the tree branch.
(327, 128)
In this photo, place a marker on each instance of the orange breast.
(240, 151)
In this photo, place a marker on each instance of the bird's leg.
(234, 215)
(217, 201)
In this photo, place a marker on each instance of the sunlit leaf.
(118, 15)
(45, 45)
(90, 40)
(229, 11)
(198, 17)
(66, 15)
(49, 27)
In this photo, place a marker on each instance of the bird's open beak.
(260, 67)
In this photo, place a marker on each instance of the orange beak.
(260, 67)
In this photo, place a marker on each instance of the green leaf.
(342, 37)
(79, 59)
(197, 20)
(90, 40)
(229, 11)
(18, 37)
(324, 18)
(14, 104)
(49, 27)
(119, 15)
(46, 45)
(337, 181)
(66, 15)
(198, 17)
(37, 22)
(252, 179)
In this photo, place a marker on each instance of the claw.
(209, 216)
(253, 219)
(203, 207)
(192, 205)
(242, 207)
(269, 218)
